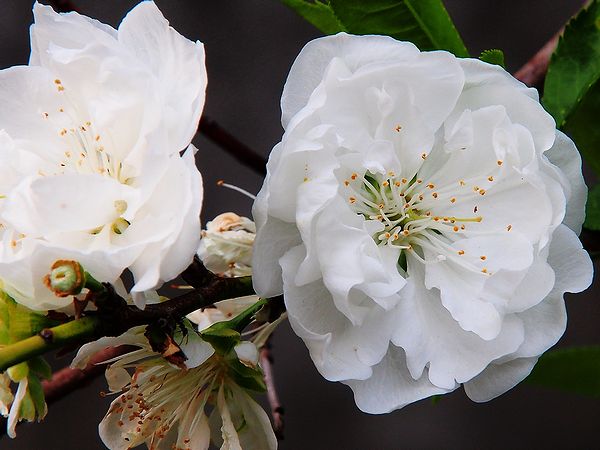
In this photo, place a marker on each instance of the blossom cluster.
(420, 217)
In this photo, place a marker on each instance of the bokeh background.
(250, 45)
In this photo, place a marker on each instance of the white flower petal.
(169, 56)
(496, 379)
(391, 386)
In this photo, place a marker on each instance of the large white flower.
(421, 217)
(90, 142)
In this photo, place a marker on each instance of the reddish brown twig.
(240, 151)
(68, 380)
(266, 362)
(534, 70)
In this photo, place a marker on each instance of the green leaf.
(40, 367)
(582, 127)
(592, 209)
(426, 23)
(575, 65)
(575, 369)
(320, 14)
(493, 56)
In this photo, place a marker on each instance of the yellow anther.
(483, 257)
(435, 195)
(490, 178)
(404, 181)
(397, 183)
(484, 270)
(453, 200)
(424, 155)
(461, 252)
(354, 176)
(476, 188)
(481, 191)
(352, 199)
(385, 184)
(499, 162)
(398, 128)
(346, 183)
(431, 186)
(462, 182)
(455, 228)
(405, 232)
(508, 228)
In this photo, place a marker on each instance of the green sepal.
(27, 408)
(40, 367)
(222, 339)
(223, 336)
(18, 323)
(493, 56)
(18, 372)
(36, 391)
(243, 375)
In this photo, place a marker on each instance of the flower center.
(406, 207)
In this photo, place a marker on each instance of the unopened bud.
(65, 278)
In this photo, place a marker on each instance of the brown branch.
(266, 362)
(534, 71)
(240, 151)
(68, 379)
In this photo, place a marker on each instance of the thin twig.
(240, 151)
(534, 71)
(68, 379)
(266, 362)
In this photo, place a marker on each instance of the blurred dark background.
(250, 46)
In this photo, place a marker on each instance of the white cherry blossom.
(165, 407)
(420, 216)
(90, 138)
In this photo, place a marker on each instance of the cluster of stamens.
(85, 152)
(406, 208)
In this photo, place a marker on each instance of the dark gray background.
(250, 46)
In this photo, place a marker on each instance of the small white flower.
(163, 406)
(226, 245)
(90, 135)
(420, 216)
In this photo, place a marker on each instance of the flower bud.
(226, 245)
